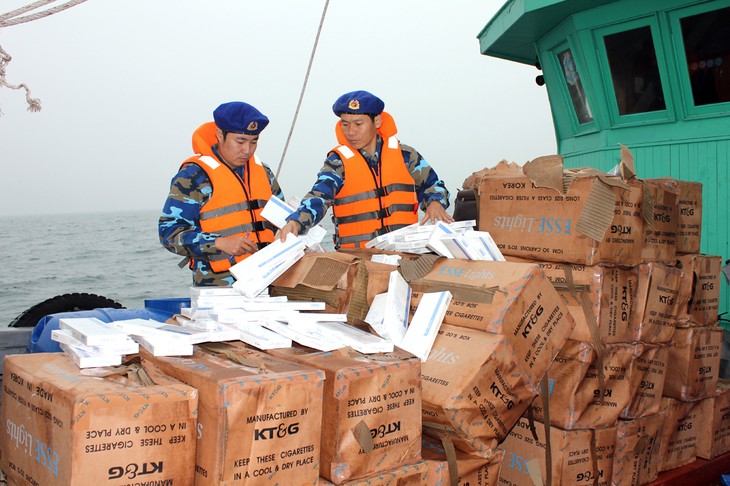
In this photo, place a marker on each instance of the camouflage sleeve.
(275, 187)
(317, 201)
(179, 225)
(429, 187)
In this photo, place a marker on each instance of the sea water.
(116, 255)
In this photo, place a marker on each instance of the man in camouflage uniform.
(359, 112)
(236, 130)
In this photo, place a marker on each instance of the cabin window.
(575, 87)
(634, 71)
(706, 40)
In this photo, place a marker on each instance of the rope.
(37, 15)
(304, 87)
(12, 18)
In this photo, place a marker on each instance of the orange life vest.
(234, 207)
(369, 204)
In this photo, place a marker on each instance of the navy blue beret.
(358, 102)
(240, 117)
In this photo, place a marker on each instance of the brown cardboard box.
(470, 470)
(646, 377)
(660, 233)
(512, 299)
(689, 225)
(654, 319)
(578, 456)
(694, 363)
(699, 290)
(575, 392)
(408, 475)
(680, 433)
(321, 277)
(577, 215)
(717, 439)
(371, 417)
(68, 426)
(473, 388)
(628, 303)
(258, 420)
(636, 457)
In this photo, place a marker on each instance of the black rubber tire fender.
(71, 302)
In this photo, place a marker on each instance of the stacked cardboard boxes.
(622, 253)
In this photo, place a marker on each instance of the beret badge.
(354, 105)
(252, 127)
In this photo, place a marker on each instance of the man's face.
(360, 131)
(236, 148)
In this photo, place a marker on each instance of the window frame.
(680, 59)
(651, 117)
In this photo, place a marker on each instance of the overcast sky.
(124, 84)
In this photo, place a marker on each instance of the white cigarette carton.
(91, 331)
(276, 211)
(426, 323)
(261, 337)
(158, 346)
(440, 230)
(347, 335)
(397, 307)
(64, 336)
(87, 359)
(213, 292)
(255, 273)
(387, 259)
(484, 239)
(307, 338)
(292, 305)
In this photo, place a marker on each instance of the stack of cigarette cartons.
(450, 240)
(610, 245)
(65, 426)
(90, 342)
(259, 417)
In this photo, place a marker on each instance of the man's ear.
(219, 135)
(378, 120)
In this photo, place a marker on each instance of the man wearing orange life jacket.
(375, 184)
(212, 215)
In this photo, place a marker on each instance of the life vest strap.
(380, 214)
(245, 228)
(233, 208)
(379, 192)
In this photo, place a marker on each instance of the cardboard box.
(660, 232)
(636, 457)
(324, 277)
(657, 303)
(694, 361)
(371, 414)
(575, 390)
(259, 417)
(689, 227)
(544, 212)
(408, 475)
(474, 390)
(646, 376)
(578, 456)
(681, 428)
(468, 469)
(717, 439)
(67, 426)
(512, 299)
(699, 290)
(628, 303)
